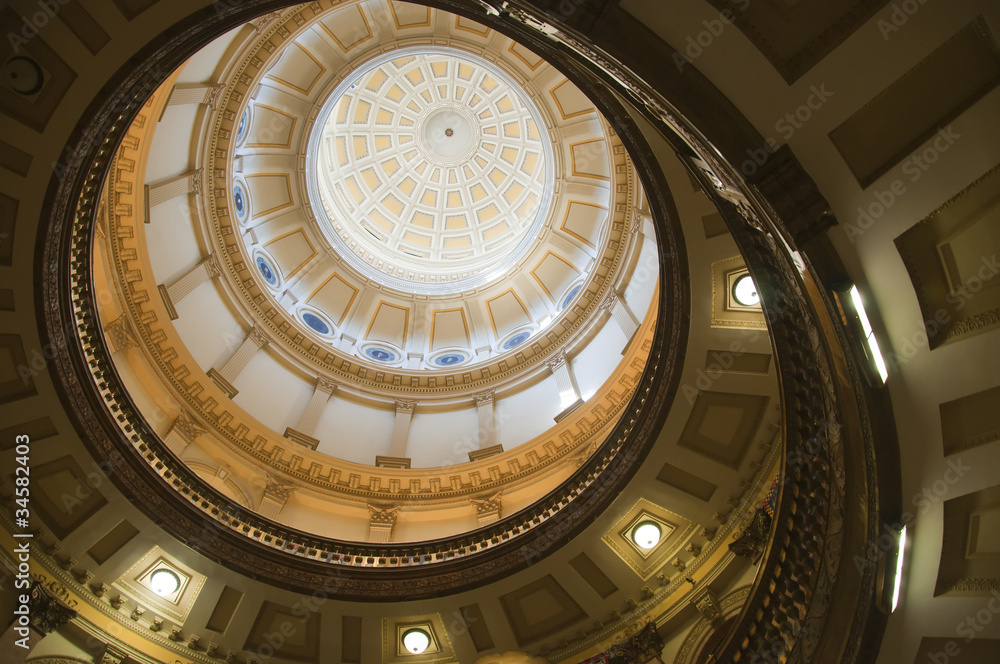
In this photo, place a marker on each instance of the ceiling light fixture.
(416, 641)
(646, 535)
(164, 583)
(745, 292)
(898, 581)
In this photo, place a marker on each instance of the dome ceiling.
(430, 168)
(334, 378)
(389, 244)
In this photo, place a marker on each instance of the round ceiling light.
(745, 291)
(646, 535)
(416, 641)
(164, 583)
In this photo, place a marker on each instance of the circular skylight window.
(430, 170)
(416, 641)
(164, 583)
(646, 535)
(745, 292)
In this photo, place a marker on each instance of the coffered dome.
(430, 170)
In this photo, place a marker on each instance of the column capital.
(487, 509)
(277, 493)
(483, 398)
(186, 427)
(50, 606)
(113, 655)
(196, 183)
(212, 96)
(380, 522)
(405, 407)
(212, 267)
(707, 603)
(120, 334)
(260, 24)
(557, 360)
(327, 385)
(610, 300)
(257, 336)
(639, 217)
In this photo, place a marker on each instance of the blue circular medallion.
(449, 359)
(242, 129)
(267, 271)
(380, 354)
(239, 202)
(316, 323)
(570, 295)
(516, 340)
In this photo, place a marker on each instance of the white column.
(560, 368)
(620, 311)
(310, 418)
(195, 93)
(487, 419)
(182, 287)
(401, 427)
(228, 372)
(165, 190)
(302, 433)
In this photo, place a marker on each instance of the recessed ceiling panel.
(350, 28)
(269, 192)
(390, 323)
(300, 633)
(583, 221)
(334, 296)
(297, 69)
(507, 312)
(271, 128)
(540, 609)
(291, 251)
(570, 101)
(722, 426)
(449, 328)
(554, 274)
